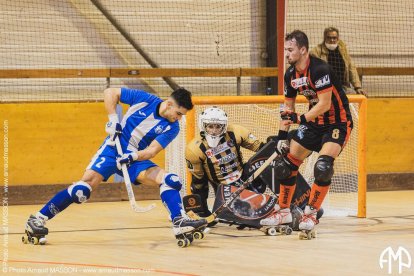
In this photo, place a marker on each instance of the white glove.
(282, 147)
(113, 128)
(126, 158)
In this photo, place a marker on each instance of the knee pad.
(284, 168)
(80, 192)
(324, 170)
(171, 182)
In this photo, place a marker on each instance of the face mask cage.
(212, 131)
(214, 116)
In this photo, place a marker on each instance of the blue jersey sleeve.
(167, 136)
(132, 96)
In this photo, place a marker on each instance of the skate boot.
(278, 221)
(307, 223)
(187, 229)
(35, 231)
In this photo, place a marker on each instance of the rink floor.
(109, 238)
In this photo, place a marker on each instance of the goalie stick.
(236, 193)
(131, 196)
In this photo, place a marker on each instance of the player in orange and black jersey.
(314, 80)
(325, 128)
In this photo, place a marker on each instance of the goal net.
(261, 116)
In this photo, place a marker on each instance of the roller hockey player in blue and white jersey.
(148, 126)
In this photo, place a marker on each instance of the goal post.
(260, 114)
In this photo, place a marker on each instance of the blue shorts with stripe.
(104, 163)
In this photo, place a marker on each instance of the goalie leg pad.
(248, 209)
(323, 170)
(195, 204)
(80, 191)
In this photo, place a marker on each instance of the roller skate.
(278, 222)
(307, 224)
(35, 231)
(187, 229)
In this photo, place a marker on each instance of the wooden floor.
(109, 238)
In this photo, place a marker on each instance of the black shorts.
(312, 136)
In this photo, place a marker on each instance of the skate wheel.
(198, 235)
(25, 239)
(35, 240)
(42, 241)
(302, 236)
(271, 231)
(288, 231)
(183, 243)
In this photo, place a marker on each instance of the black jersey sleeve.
(322, 78)
(288, 90)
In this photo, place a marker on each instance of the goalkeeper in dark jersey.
(215, 157)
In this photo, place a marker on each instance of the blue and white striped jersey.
(142, 123)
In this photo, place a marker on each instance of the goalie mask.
(213, 125)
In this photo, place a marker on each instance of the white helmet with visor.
(213, 123)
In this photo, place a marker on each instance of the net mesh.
(262, 121)
(63, 34)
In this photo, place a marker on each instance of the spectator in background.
(334, 51)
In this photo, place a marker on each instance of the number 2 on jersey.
(98, 165)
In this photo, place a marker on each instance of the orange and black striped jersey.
(317, 78)
(224, 163)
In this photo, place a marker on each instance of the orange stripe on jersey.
(332, 114)
(342, 112)
(325, 90)
(320, 120)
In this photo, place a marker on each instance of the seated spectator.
(333, 50)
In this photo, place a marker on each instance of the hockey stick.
(244, 185)
(131, 196)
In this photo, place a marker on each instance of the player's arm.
(289, 105)
(149, 152)
(113, 127)
(193, 157)
(282, 144)
(247, 139)
(111, 99)
(323, 105)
